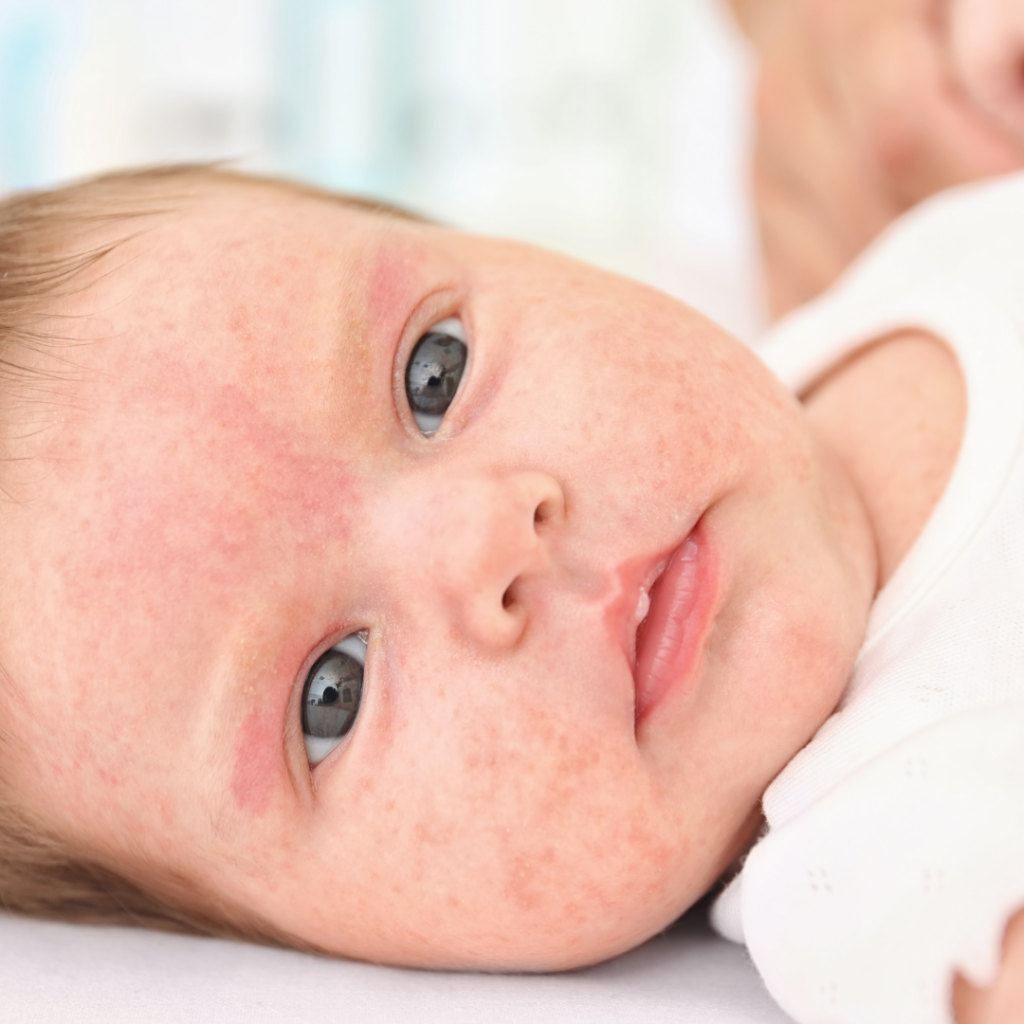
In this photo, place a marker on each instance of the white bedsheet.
(54, 972)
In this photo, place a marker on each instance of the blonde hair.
(44, 257)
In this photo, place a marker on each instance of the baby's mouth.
(675, 609)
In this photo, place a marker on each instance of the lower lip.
(671, 638)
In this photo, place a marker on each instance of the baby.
(433, 600)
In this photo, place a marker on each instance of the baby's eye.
(433, 374)
(330, 698)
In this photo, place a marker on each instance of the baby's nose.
(481, 542)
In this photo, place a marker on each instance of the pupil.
(433, 374)
(332, 696)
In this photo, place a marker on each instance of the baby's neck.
(894, 415)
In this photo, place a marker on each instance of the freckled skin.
(239, 484)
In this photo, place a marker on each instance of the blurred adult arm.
(1003, 1002)
(861, 112)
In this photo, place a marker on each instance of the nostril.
(507, 599)
(544, 512)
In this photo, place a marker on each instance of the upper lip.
(643, 603)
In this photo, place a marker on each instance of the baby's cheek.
(517, 839)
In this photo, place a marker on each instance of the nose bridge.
(477, 537)
(488, 527)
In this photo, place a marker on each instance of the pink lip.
(671, 638)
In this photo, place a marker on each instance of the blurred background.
(614, 130)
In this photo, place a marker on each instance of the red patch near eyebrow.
(255, 762)
(393, 278)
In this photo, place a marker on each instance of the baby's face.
(238, 485)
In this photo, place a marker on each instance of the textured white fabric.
(68, 974)
(895, 850)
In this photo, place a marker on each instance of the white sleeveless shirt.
(895, 846)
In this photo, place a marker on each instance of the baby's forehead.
(262, 271)
(199, 424)
(268, 231)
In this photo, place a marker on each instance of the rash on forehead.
(191, 529)
(213, 486)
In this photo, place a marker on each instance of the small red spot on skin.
(111, 779)
(240, 322)
(256, 758)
